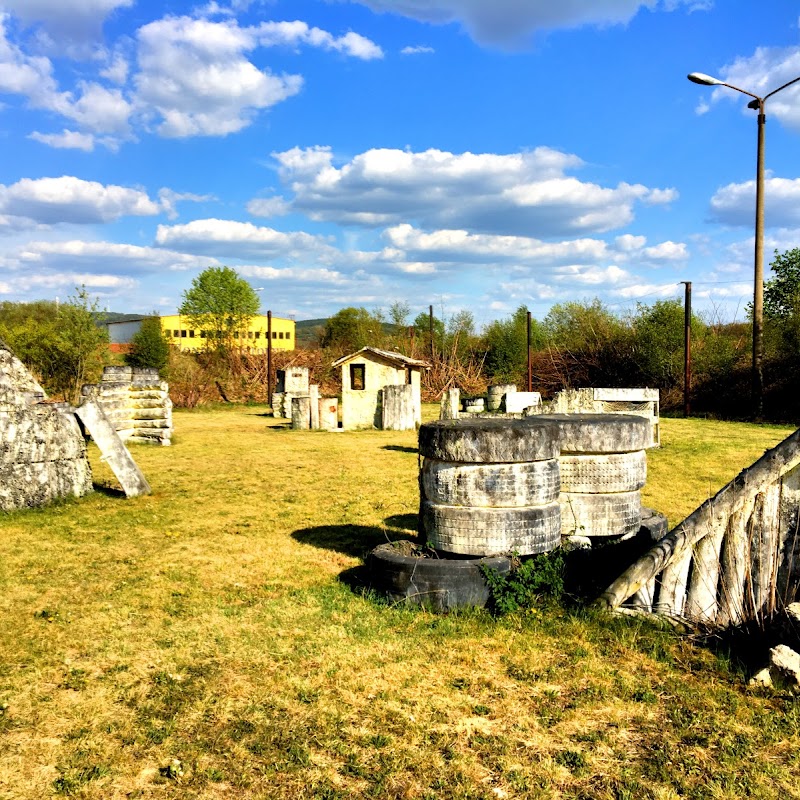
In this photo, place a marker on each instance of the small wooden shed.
(366, 374)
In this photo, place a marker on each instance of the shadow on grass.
(109, 491)
(402, 522)
(398, 448)
(351, 540)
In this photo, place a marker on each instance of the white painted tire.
(600, 433)
(602, 474)
(488, 531)
(605, 515)
(534, 483)
(489, 441)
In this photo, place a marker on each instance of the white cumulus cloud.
(66, 21)
(66, 140)
(735, 203)
(231, 239)
(763, 72)
(511, 23)
(70, 199)
(194, 75)
(514, 194)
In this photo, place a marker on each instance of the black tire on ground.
(602, 473)
(486, 531)
(532, 483)
(600, 433)
(489, 441)
(439, 583)
(592, 515)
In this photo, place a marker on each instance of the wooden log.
(701, 595)
(764, 549)
(734, 566)
(672, 586)
(789, 570)
(768, 469)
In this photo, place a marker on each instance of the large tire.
(534, 483)
(600, 433)
(486, 531)
(613, 472)
(594, 515)
(439, 583)
(489, 441)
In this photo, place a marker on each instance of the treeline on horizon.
(578, 344)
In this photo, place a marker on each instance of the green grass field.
(206, 642)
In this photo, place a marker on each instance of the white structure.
(364, 376)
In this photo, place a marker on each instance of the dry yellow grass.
(205, 642)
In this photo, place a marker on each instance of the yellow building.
(179, 333)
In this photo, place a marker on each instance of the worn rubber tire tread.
(603, 473)
(618, 514)
(443, 584)
(489, 441)
(486, 531)
(533, 483)
(600, 433)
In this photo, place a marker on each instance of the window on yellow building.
(288, 335)
(258, 334)
(183, 334)
(191, 334)
(176, 334)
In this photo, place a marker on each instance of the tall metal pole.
(758, 279)
(269, 357)
(530, 356)
(687, 348)
(430, 323)
(758, 104)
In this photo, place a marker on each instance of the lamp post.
(758, 104)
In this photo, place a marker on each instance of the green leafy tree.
(507, 346)
(351, 329)
(782, 292)
(81, 347)
(658, 342)
(149, 346)
(220, 303)
(64, 345)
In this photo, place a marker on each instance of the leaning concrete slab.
(113, 450)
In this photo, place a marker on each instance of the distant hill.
(307, 331)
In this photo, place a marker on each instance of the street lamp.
(757, 104)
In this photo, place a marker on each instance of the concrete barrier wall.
(136, 402)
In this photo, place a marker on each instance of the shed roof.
(396, 359)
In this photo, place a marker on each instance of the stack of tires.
(603, 466)
(490, 486)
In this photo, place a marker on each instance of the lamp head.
(703, 79)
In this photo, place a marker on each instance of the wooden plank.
(112, 449)
(764, 550)
(768, 469)
(701, 595)
(672, 586)
(735, 566)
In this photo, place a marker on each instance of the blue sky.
(462, 153)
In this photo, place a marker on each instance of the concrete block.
(301, 413)
(517, 402)
(313, 396)
(397, 408)
(329, 413)
(113, 450)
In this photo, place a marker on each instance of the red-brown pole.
(430, 324)
(269, 357)
(687, 349)
(530, 356)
